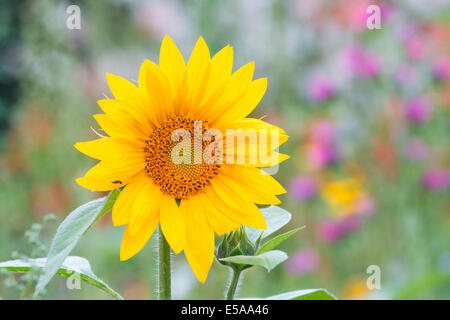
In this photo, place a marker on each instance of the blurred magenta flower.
(303, 187)
(360, 63)
(320, 89)
(415, 48)
(321, 150)
(441, 69)
(418, 110)
(357, 14)
(436, 178)
(329, 231)
(349, 224)
(416, 149)
(304, 261)
(320, 155)
(322, 131)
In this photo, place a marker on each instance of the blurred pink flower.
(416, 149)
(441, 69)
(320, 89)
(358, 15)
(321, 150)
(360, 63)
(320, 155)
(415, 48)
(304, 261)
(323, 131)
(349, 224)
(418, 110)
(329, 231)
(303, 187)
(436, 178)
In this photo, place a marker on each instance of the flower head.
(170, 145)
(361, 63)
(441, 69)
(345, 197)
(303, 187)
(304, 261)
(418, 110)
(436, 178)
(321, 148)
(320, 89)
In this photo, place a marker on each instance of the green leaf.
(109, 203)
(269, 245)
(69, 233)
(307, 294)
(268, 260)
(275, 217)
(68, 267)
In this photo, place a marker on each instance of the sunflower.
(188, 200)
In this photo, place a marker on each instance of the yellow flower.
(343, 196)
(355, 289)
(189, 200)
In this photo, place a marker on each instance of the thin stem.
(164, 268)
(233, 284)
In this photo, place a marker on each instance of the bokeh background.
(367, 112)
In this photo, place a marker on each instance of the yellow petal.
(221, 67)
(228, 94)
(246, 103)
(273, 158)
(198, 72)
(260, 187)
(129, 116)
(240, 146)
(256, 177)
(234, 204)
(172, 63)
(110, 148)
(121, 210)
(158, 90)
(133, 244)
(252, 123)
(199, 248)
(173, 224)
(108, 175)
(125, 90)
(119, 130)
(219, 222)
(146, 203)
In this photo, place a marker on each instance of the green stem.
(233, 284)
(164, 268)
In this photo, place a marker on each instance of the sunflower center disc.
(178, 180)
